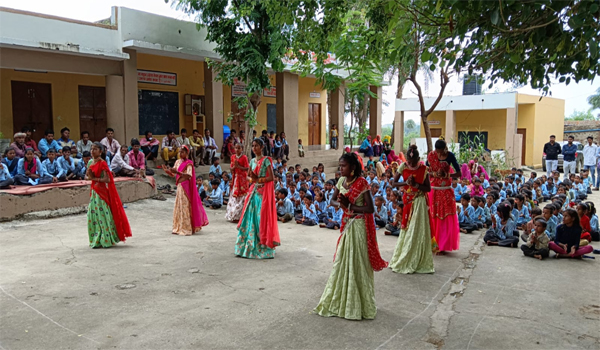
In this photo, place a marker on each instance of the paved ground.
(161, 291)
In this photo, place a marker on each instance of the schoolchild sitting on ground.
(81, 165)
(293, 194)
(395, 227)
(285, 207)
(309, 213)
(51, 167)
(335, 221)
(584, 221)
(477, 189)
(502, 232)
(6, 179)
(215, 200)
(224, 186)
(458, 190)
(381, 212)
(67, 165)
(320, 205)
(200, 187)
(315, 184)
(591, 213)
(568, 235)
(374, 189)
(522, 213)
(580, 188)
(537, 243)
(299, 203)
(30, 171)
(466, 214)
(478, 213)
(10, 160)
(529, 227)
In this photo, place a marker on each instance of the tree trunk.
(351, 123)
(427, 133)
(399, 89)
(249, 122)
(330, 117)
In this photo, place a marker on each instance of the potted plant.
(4, 143)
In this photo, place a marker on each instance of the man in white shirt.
(210, 147)
(589, 158)
(120, 167)
(112, 145)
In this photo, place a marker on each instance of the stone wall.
(14, 207)
(572, 127)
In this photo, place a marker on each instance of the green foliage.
(362, 135)
(475, 147)
(386, 131)
(594, 100)
(410, 125)
(580, 115)
(409, 135)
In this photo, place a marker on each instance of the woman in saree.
(188, 214)
(413, 253)
(387, 147)
(239, 187)
(366, 147)
(258, 234)
(350, 291)
(107, 222)
(377, 146)
(445, 220)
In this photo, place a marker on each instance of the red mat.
(27, 190)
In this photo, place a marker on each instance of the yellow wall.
(437, 116)
(64, 93)
(305, 87)
(526, 120)
(549, 120)
(262, 108)
(190, 80)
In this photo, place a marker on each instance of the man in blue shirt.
(569, 152)
(285, 207)
(215, 199)
(48, 142)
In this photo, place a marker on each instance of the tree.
(410, 124)
(594, 100)
(580, 115)
(249, 43)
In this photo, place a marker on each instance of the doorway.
(92, 111)
(524, 145)
(31, 107)
(437, 132)
(314, 124)
(272, 117)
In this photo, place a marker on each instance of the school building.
(518, 123)
(137, 71)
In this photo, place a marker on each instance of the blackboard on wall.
(158, 111)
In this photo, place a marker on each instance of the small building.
(135, 72)
(517, 123)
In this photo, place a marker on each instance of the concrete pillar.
(375, 111)
(518, 149)
(130, 97)
(399, 131)
(115, 106)
(213, 93)
(451, 135)
(511, 131)
(287, 107)
(337, 111)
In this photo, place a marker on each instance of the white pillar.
(213, 91)
(399, 131)
(451, 135)
(130, 97)
(287, 106)
(511, 131)
(337, 111)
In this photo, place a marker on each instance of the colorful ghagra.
(188, 214)
(239, 189)
(413, 253)
(350, 290)
(445, 220)
(107, 222)
(258, 234)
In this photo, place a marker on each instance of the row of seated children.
(214, 192)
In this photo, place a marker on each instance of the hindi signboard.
(160, 78)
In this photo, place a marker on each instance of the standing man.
(552, 150)
(569, 152)
(210, 147)
(589, 158)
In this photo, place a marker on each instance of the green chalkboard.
(158, 111)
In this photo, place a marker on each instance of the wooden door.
(92, 111)
(32, 107)
(314, 124)
(523, 147)
(437, 132)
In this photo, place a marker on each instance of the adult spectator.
(170, 147)
(136, 159)
(84, 145)
(119, 166)
(569, 151)
(589, 158)
(552, 150)
(265, 139)
(48, 142)
(366, 147)
(149, 146)
(210, 147)
(197, 143)
(112, 146)
(19, 144)
(227, 150)
(29, 142)
(64, 139)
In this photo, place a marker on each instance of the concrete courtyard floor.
(160, 291)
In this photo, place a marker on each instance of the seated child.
(502, 232)
(215, 200)
(395, 227)
(458, 189)
(381, 212)
(30, 171)
(522, 213)
(320, 206)
(6, 179)
(580, 188)
(490, 208)
(67, 165)
(477, 190)
(200, 185)
(529, 227)
(537, 244)
(309, 213)
(224, 186)
(10, 160)
(285, 207)
(478, 212)
(593, 221)
(51, 167)
(82, 164)
(568, 236)
(335, 222)
(584, 222)
(466, 214)
(215, 168)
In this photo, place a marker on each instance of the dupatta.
(356, 190)
(108, 193)
(268, 230)
(197, 213)
(239, 178)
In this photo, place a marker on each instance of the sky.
(575, 95)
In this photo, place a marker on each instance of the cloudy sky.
(575, 95)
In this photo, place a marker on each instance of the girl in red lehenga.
(239, 180)
(445, 220)
(107, 222)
